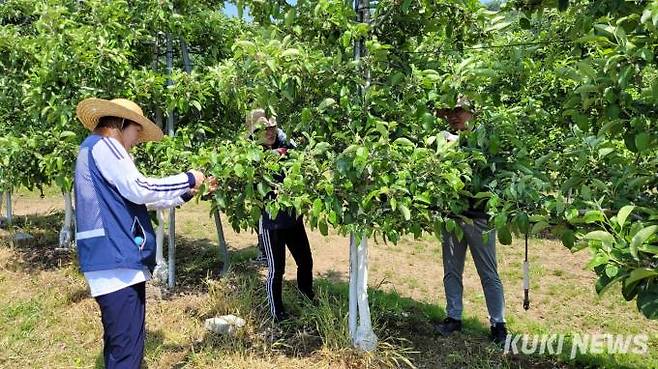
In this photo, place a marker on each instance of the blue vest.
(108, 224)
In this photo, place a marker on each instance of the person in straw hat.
(114, 236)
(286, 229)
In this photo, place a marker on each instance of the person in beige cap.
(264, 129)
(286, 229)
(114, 236)
(266, 132)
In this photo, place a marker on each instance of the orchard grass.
(47, 319)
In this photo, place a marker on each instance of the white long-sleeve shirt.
(117, 167)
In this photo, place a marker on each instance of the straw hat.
(89, 111)
(257, 119)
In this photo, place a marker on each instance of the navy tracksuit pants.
(274, 242)
(124, 315)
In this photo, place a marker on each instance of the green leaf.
(604, 282)
(317, 207)
(649, 249)
(261, 189)
(324, 228)
(245, 44)
(593, 216)
(605, 152)
(629, 141)
(525, 23)
(403, 142)
(437, 229)
(326, 103)
(405, 6)
(290, 17)
(642, 141)
(646, 16)
(602, 236)
(423, 198)
(321, 148)
(523, 222)
(647, 301)
(538, 227)
(598, 260)
(290, 52)
(451, 225)
(504, 235)
(646, 54)
(498, 26)
(611, 270)
(405, 212)
(333, 217)
(630, 290)
(623, 214)
(642, 236)
(640, 274)
(307, 115)
(238, 169)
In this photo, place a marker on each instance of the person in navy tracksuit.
(261, 257)
(114, 237)
(286, 229)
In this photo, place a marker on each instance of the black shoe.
(498, 333)
(310, 296)
(448, 326)
(281, 317)
(315, 302)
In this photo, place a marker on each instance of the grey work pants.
(484, 256)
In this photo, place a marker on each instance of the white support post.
(18, 236)
(171, 248)
(66, 234)
(160, 273)
(363, 337)
(354, 267)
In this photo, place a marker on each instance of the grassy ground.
(47, 319)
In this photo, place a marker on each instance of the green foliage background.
(564, 137)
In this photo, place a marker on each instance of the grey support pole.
(156, 67)
(360, 325)
(8, 210)
(223, 249)
(2, 220)
(161, 271)
(170, 82)
(171, 245)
